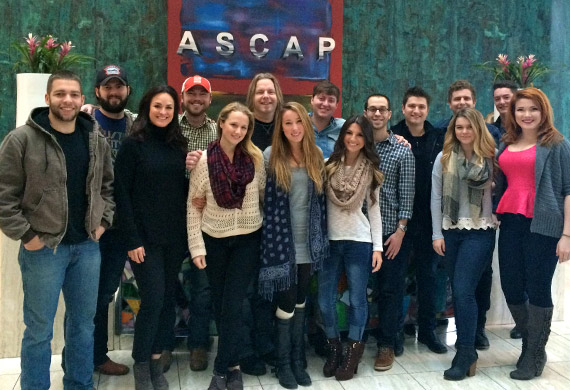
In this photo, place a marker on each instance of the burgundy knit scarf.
(227, 180)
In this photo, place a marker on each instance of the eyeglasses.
(382, 110)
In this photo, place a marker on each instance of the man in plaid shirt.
(199, 130)
(396, 205)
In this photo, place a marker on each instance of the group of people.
(263, 199)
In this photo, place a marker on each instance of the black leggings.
(297, 292)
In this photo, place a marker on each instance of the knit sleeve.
(375, 219)
(198, 183)
(262, 177)
(436, 193)
(564, 167)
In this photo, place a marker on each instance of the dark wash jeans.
(231, 262)
(467, 256)
(156, 278)
(526, 262)
(425, 261)
(113, 258)
(391, 279)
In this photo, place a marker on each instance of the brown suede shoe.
(198, 359)
(112, 368)
(384, 359)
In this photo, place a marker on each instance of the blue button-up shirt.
(326, 138)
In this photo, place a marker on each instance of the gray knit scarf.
(475, 175)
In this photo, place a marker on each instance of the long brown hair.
(245, 144)
(368, 151)
(547, 134)
(281, 150)
(483, 145)
(140, 128)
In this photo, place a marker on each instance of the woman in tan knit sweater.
(224, 236)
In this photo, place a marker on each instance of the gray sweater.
(440, 222)
(552, 185)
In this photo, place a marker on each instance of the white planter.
(31, 90)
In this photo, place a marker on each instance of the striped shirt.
(397, 191)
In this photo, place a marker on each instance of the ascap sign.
(229, 42)
(257, 45)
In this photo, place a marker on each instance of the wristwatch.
(403, 228)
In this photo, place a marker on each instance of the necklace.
(266, 127)
(297, 162)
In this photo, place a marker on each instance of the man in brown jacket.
(56, 191)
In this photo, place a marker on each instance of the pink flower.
(502, 59)
(50, 43)
(32, 44)
(529, 61)
(65, 47)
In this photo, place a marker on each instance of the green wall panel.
(387, 45)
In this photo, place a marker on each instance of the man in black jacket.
(426, 142)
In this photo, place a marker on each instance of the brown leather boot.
(112, 368)
(334, 357)
(349, 366)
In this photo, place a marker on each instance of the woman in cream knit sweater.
(224, 236)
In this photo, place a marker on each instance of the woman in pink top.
(534, 209)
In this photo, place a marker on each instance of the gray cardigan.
(552, 185)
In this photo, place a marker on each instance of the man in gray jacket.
(56, 191)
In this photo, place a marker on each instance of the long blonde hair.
(281, 150)
(245, 144)
(483, 145)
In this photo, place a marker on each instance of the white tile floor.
(418, 368)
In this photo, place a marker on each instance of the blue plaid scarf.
(278, 266)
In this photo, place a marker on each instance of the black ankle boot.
(431, 340)
(464, 364)
(334, 357)
(298, 348)
(481, 340)
(284, 372)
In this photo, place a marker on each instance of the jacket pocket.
(48, 215)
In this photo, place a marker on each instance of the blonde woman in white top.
(224, 236)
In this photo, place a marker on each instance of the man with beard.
(112, 91)
(199, 130)
(56, 195)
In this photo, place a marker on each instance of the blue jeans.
(73, 269)
(355, 258)
(467, 256)
(527, 262)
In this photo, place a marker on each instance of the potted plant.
(39, 57)
(524, 71)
